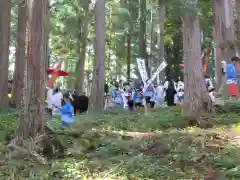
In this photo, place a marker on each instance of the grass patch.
(124, 146)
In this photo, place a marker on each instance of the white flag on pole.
(142, 69)
(159, 69)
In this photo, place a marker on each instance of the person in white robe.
(49, 101)
(57, 101)
(180, 92)
(160, 95)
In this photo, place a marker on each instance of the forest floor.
(123, 146)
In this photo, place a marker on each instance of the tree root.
(20, 151)
(199, 122)
(68, 133)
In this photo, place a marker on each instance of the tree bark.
(129, 55)
(128, 39)
(32, 116)
(161, 51)
(96, 102)
(152, 44)
(222, 35)
(142, 34)
(18, 77)
(237, 32)
(195, 96)
(237, 25)
(5, 19)
(46, 39)
(82, 58)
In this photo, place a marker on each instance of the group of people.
(147, 95)
(129, 97)
(66, 105)
(60, 104)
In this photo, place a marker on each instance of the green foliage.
(9, 121)
(122, 18)
(120, 145)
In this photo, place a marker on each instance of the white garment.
(49, 98)
(105, 104)
(212, 97)
(57, 101)
(209, 84)
(125, 91)
(160, 92)
(180, 92)
(176, 99)
(180, 85)
(175, 85)
(224, 66)
(231, 81)
(125, 105)
(166, 84)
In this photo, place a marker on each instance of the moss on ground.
(124, 146)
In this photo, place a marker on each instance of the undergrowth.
(125, 146)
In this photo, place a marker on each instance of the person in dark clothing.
(80, 103)
(106, 89)
(131, 106)
(170, 94)
(56, 90)
(152, 104)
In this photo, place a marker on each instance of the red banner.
(56, 67)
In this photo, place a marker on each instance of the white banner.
(142, 69)
(159, 69)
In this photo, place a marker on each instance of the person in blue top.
(66, 111)
(116, 96)
(148, 93)
(137, 97)
(231, 77)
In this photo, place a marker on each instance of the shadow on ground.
(119, 145)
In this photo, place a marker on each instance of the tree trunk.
(46, 39)
(96, 102)
(129, 55)
(82, 58)
(195, 96)
(177, 57)
(152, 44)
(237, 25)
(109, 44)
(162, 16)
(32, 117)
(237, 32)
(222, 35)
(18, 77)
(129, 42)
(142, 34)
(5, 19)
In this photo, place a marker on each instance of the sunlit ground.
(133, 146)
